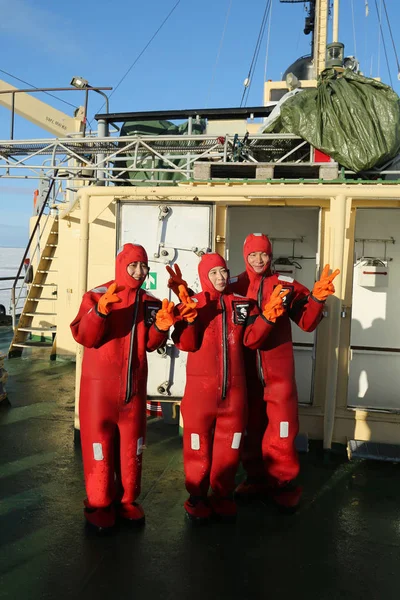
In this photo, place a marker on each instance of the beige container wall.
(102, 246)
(337, 242)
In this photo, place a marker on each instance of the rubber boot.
(198, 509)
(100, 519)
(132, 512)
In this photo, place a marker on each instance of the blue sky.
(45, 43)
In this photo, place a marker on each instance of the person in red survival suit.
(269, 454)
(117, 324)
(214, 406)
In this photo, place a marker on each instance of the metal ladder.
(39, 311)
(36, 316)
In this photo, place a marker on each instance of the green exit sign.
(151, 281)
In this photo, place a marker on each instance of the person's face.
(219, 278)
(138, 270)
(258, 261)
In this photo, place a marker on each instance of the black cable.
(391, 35)
(256, 50)
(141, 53)
(36, 88)
(384, 45)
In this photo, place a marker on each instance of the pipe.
(340, 206)
(335, 29)
(245, 192)
(82, 286)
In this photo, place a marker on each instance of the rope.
(36, 88)
(354, 28)
(384, 44)
(142, 52)
(267, 49)
(256, 52)
(218, 53)
(391, 35)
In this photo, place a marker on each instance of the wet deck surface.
(343, 543)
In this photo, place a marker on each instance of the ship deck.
(344, 542)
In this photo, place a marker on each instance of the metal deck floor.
(343, 543)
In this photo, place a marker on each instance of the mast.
(321, 34)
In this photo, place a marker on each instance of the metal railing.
(147, 159)
(86, 90)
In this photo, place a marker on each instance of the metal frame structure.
(113, 160)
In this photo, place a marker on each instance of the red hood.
(208, 262)
(256, 242)
(128, 254)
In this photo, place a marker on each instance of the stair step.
(48, 257)
(32, 344)
(52, 329)
(47, 271)
(39, 314)
(43, 284)
(40, 299)
(51, 245)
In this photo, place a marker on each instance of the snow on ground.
(10, 259)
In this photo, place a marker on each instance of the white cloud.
(49, 30)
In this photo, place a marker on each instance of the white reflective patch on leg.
(140, 446)
(195, 441)
(236, 440)
(98, 451)
(284, 433)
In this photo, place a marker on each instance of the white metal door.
(294, 232)
(170, 233)
(374, 377)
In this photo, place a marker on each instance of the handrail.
(34, 230)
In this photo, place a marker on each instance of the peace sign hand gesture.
(324, 286)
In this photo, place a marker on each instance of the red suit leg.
(281, 460)
(229, 428)
(198, 424)
(251, 455)
(132, 430)
(98, 415)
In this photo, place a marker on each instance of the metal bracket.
(294, 240)
(384, 241)
(163, 388)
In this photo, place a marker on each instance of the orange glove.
(187, 310)
(274, 307)
(175, 279)
(110, 297)
(324, 287)
(165, 316)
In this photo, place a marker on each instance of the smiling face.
(258, 261)
(137, 270)
(218, 277)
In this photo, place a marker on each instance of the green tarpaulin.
(149, 160)
(353, 119)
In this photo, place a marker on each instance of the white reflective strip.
(139, 449)
(100, 290)
(285, 278)
(98, 451)
(284, 429)
(90, 310)
(257, 234)
(195, 441)
(236, 440)
(233, 279)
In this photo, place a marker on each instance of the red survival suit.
(214, 406)
(113, 384)
(269, 446)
